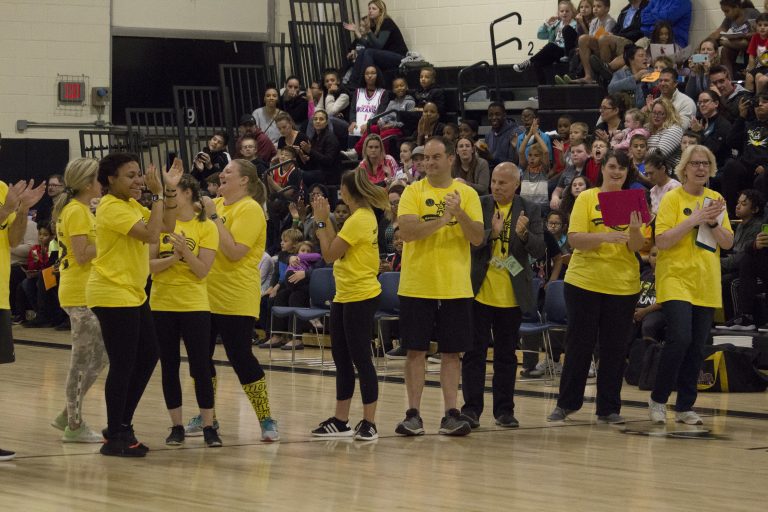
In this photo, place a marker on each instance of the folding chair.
(322, 289)
(554, 317)
(389, 310)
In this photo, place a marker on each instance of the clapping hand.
(453, 203)
(522, 225)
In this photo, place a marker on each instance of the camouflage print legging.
(88, 359)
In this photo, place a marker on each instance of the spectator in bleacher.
(750, 138)
(18, 263)
(685, 106)
(657, 172)
(600, 310)
(687, 281)
(290, 136)
(384, 44)
(314, 97)
(597, 150)
(649, 319)
(560, 32)
(26, 294)
(322, 166)
(698, 79)
(468, 127)
(428, 91)
(513, 229)
(429, 124)
(368, 101)
(335, 97)
(713, 127)
(287, 174)
(730, 93)
(249, 151)
(502, 135)
(534, 170)
(588, 43)
(579, 157)
(528, 117)
(378, 165)
(265, 116)
(406, 160)
(584, 16)
(578, 185)
(734, 32)
(634, 124)
(451, 132)
(625, 33)
(470, 168)
(294, 101)
(665, 131)
(749, 210)
(676, 12)
(279, 291)
(213, 157)
(54, 188)
(561, 143)
(212, 184)
(612, 118)
(264, 148)
(629, 78)
(400, 101)
(757, 67)
(663, 35)
(388, 222)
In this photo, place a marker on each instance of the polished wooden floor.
(575, 466)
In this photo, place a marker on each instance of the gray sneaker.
(558, 414)
(453, 425)
(411, 425)
(507, 421)
(611, 419)
(657, 412)
(195, 426)
(470, 417)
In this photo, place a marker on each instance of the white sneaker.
(84, 434)
(592, 371)
(541, 368)
(688, 417)
(522, 66)
(657, 412)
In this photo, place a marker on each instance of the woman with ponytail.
(179, 262)
(234, 287)
(356, 253)
(76, 231)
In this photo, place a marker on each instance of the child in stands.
(341, 213)
(588, 43)
(584, 17)
(451, 132)
(757, 75)
(579, 158)
(561, 145)
(429, 124)
(534, 174)
(37, 260)
(289, 246)
(406, 162)
(560, 32)
(638, 150)
(658, 175)
(598, 150)
(634, 124)
(578, 185)
(212, 184)
(649, 319)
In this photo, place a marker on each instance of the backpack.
(731, 369)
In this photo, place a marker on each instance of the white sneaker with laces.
(657, 412)
(688, 417)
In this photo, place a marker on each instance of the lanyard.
(503, 228)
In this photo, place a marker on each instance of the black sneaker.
(210, 436)
(397, 353)
(600, 68)
(470, 417)
(121, 446)
(176, 437)
(366, 431)
(412, 425)
(6, 455)
(453, 425)
(739, 323)
(333, 427)
(131, 438)
(507, 421)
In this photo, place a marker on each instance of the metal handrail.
(495, 46)
(462, 95)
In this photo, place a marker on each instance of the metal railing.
(496, 46)
(156, 135)
(99, 143)
(201, 113)
(464, 95)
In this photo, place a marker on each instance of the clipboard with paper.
(705, 237)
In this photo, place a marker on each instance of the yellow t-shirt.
(234, 287)
(609, 268)
(687, 272)
(75, 219)
(496, 289)
(355, 273)
(120, 269)
(5, 252)
(177, 288)
(437, 267)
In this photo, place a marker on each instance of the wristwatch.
(157, 197)
(713, 225)
(214, 216)
(320, 224)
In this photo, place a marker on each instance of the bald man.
(501, 281)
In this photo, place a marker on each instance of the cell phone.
(764, 228)
(699, 58)
(197, 156)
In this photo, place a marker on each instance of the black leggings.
(131, 344)
(237, 334)
(351, 327)
(552, 53)
(194, 328)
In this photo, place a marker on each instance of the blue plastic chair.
(389, 308)
(322, 289)
(554, 317)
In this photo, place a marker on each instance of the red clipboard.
(617, 207)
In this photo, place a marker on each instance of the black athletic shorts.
(447, 321)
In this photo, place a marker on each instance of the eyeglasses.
(554, 224)
(699, 163)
